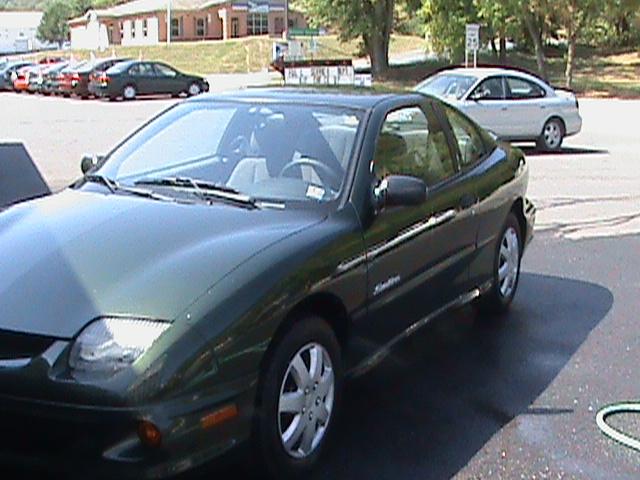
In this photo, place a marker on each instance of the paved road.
(466, 397)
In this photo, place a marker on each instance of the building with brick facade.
(144, 22)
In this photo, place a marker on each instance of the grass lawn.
(597, 73)
(240, 55)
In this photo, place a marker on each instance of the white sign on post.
(472, 43)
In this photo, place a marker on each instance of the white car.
(513, 105)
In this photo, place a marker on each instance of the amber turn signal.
(149, 434)
(219, 416)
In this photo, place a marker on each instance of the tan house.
(144, 22)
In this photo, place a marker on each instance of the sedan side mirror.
(403, 190)
(89, 162)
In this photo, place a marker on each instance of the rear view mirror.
(479, 95)
(89, 162)
(403, 190)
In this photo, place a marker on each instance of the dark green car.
(217, 276)
(134, 78)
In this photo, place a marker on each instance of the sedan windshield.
(447, 85)
(278, 152)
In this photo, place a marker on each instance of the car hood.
(75, 256)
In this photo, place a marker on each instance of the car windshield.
(447, 85)
(277, 152)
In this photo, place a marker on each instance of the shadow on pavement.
(442, 394)
(530, 151)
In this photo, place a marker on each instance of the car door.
(416, 255)
(144, 77)
(487, 105)
(485, 169)
(168, 79)
(527, 107)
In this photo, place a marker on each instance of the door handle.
(467, 201)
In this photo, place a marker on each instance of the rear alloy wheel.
(194, 89)
(552, 136)
(506, 272)
(299, 394)
(129, 92)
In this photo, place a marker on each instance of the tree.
(369, 20)
(53, 27)
(445, 22)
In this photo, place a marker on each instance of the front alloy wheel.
(306, 400)
(129, 92)
(194, 89)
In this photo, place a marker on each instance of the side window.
(521, 89)
(134, 71)
(470, 143)
(412, 143)
(490, 89)
(165, 71)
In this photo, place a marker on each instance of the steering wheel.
(239, 147)
(333, 178)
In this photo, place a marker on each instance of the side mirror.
(89, 162)
(402, 190)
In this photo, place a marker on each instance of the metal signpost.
(472, 44)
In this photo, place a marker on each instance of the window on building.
(176, 27)
(279, 25)
(133, 29)
(121, 25)
(257, 24)
(235, 27)
(145, 28)
(201, 27)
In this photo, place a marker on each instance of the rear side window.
(521, 89)
(413, 143)
(471, 146)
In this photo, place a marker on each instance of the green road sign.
(304, 32)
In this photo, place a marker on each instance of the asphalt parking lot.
(468, 397)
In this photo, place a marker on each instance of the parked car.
(83, 75)
(9, 72)
(512, 104)
(21, 80)
(68, 77)
(134, 78)
(51, 78)
(215, 277)
(36, 77)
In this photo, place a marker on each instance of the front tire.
(194, 89)
(552, 136)
(506, 269)
(298, 399)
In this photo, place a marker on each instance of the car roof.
(352, 97)
(484, 72)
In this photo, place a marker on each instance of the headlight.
(111, 344)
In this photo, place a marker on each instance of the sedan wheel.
(306, 400)
(552, 135)
(129, 92)
(298, 399)
(506, 272)
(194, 89)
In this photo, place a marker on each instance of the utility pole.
(168, 22)
(286, 19)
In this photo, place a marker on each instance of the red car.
(21, 80)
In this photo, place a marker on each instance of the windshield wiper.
(203, 189)
(114, 187)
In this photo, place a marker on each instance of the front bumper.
(101, 440)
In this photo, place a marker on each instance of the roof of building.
(147, 6)
(19, 20)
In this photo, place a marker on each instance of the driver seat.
(248, 171)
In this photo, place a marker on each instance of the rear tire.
(552, 135)
(194, 89)
(297, 401)
(506, 269)
(129, 92)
